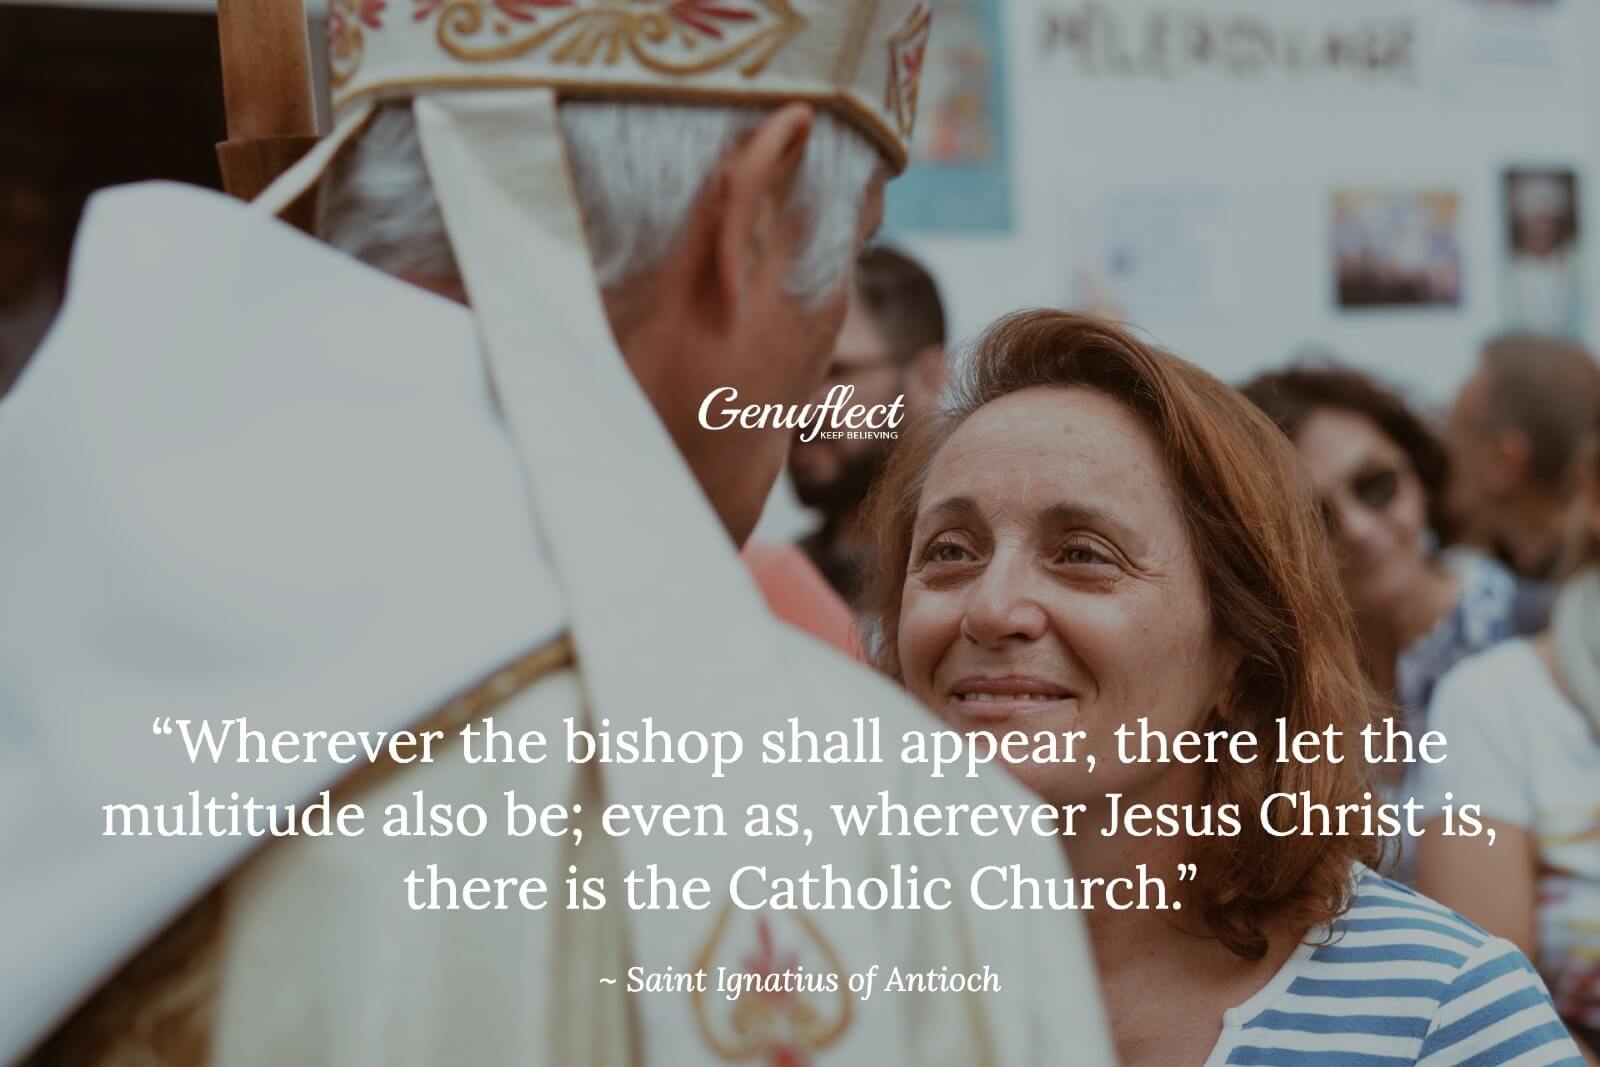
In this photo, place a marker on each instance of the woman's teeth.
(1007, 698)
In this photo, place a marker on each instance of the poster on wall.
(960, 175)
(1543, 273)
(1151, 254)
(1396, 249)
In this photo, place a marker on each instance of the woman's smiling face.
(1052, 586)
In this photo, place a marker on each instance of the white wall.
(1270, 152)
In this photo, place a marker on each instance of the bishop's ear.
(755, 232)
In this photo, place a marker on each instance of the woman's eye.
(945, 552)
(1081, 556)
(1377, 489)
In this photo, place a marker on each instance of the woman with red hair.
(1097, 536)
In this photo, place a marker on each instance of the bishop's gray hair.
(638, 168)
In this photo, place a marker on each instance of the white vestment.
(247, 477)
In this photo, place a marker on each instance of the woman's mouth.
(993, 699)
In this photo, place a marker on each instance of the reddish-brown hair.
(1275, 599)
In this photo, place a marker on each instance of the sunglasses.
(1373, 489)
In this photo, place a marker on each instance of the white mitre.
(249, 477)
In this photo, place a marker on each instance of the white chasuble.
(249, 478)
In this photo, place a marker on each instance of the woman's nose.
(1001, 605)
(1357, 526)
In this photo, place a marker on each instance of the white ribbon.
(289, 186)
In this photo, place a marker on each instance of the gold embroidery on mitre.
(907, 47)
(778, 1029)
(675, 37)
(347, 19)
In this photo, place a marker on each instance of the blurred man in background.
(1515, 430)
(892, 345)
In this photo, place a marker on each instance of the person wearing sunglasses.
(1382, 480)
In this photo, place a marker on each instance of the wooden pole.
(267, 87)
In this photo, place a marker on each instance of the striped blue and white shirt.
(1403, 981)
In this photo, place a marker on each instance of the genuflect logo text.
(835, 417)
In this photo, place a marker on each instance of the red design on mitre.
(345, 19)
(527, 10)
(705, 15)
(907, 48)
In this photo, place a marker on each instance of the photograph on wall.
(960, 175)
(1544, 255)
(1396, 248)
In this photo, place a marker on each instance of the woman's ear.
(753, 188)
(1225, 703)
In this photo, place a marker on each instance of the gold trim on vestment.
(482, 698)
(158, 1007)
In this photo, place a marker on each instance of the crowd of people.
(1083, 529)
